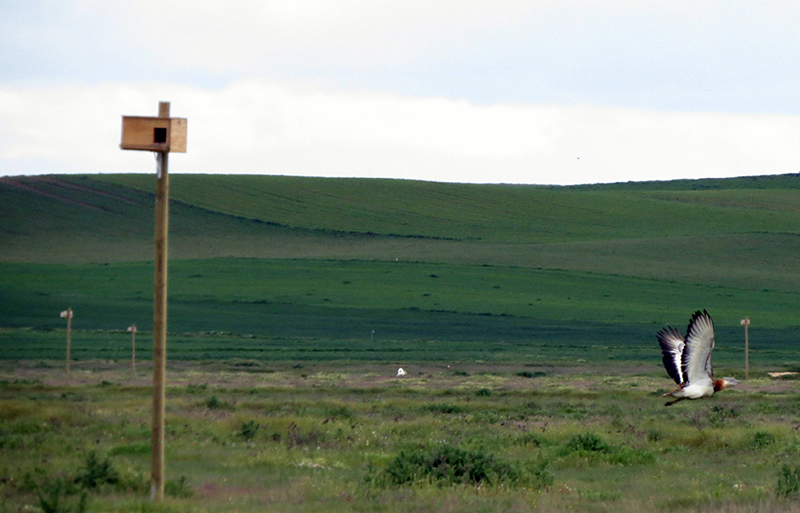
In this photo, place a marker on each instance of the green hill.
(248, 253)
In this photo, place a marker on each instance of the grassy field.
(254, 436)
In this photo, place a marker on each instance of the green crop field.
(259, 262)
(525, 315)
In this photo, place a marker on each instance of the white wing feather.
(696, 361)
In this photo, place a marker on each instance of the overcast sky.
(539, 91)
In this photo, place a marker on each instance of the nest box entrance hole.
(159, 135)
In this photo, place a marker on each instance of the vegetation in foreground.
(317, 438)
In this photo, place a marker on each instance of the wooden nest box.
(154, 134)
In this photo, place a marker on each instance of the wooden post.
(746, 322)
(160, 316)
(68, 315)
(161, 135)
(132, 329)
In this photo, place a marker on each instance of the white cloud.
(272, 128)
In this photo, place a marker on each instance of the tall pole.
(160, 316)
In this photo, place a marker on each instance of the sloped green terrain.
(314, 259)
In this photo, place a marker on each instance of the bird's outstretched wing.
(671, 342)
(696, 361)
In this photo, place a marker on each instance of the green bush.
(588, 442)
(592, 447)
(248, 430)
(529, 374)
(762, 439)
(97, 471)
(449, 465)
(52, 501)
(441, 408)
(537, 476)
(55, 494)
(628, 456)
(212, 403)
(788, 482)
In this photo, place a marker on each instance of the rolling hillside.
(738, 231)
(405, 256)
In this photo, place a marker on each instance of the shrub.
(484, 392)
(594, 448)
(56, 495)
(762, 439)
(212, 403)
(248, 430)
(628, 456)
(51, 500)
(449, 465)
(441, 408)
(788, 482)
(529, 374)
(98, 471)
(538, 475)
(588, 442)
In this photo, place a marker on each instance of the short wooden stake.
(746, 322)
(68, 315)
(132, 329)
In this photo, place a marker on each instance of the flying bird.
(688, 361)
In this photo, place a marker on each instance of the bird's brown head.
(721, 384)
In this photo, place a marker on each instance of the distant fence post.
(746, 322)
(132, 329)
(67, 314)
